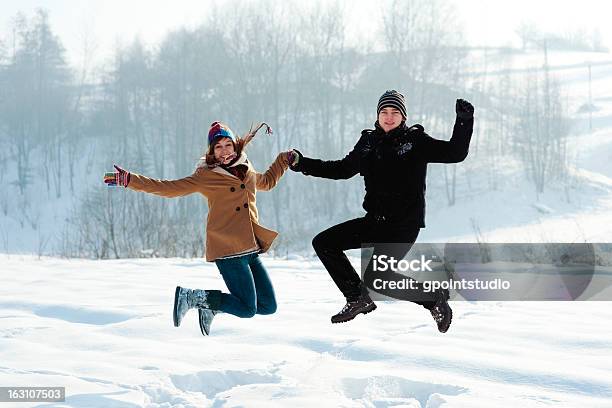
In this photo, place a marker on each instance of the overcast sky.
(487, 22)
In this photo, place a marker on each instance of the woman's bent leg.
(242, 299)
(266, 300)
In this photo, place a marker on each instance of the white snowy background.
(103, 328)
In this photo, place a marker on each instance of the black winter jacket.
(394, 167)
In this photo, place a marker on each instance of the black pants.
(331, 244)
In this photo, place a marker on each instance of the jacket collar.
(392, 134)
(242, 159)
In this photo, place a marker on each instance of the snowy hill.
(35, 223)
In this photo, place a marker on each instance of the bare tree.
(528, 34)
(542, 129)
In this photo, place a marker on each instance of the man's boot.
(352, 308)
(441, 311)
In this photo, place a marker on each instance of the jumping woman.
(234, 237)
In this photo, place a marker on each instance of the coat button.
(232, 189)
(237, 208)
(246, 205)
(242, 186)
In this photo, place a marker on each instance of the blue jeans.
(251, 290)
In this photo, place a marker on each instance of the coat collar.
(399, 131)
(385, 138)
(242, 159)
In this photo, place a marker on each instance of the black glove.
(464, 109)
(296, 164)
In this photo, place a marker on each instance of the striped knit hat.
(392, 99)
(219, 129)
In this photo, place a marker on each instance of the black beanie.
(392, 99)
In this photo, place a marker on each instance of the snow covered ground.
(103, 329)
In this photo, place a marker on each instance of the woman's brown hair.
(239, 145)
(210, 153)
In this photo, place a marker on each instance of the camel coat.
(232, 226)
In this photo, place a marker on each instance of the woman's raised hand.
(293, 156)
(122, 177)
